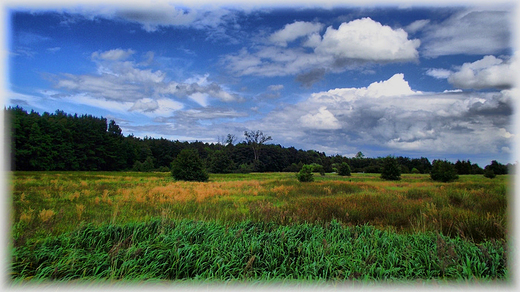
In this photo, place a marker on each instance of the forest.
(64, 142)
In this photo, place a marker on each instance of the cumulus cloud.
(388, 114)
(489, 72)
(352, 44)
(322, 120)
(294, 31)
(471, 31)
(366, 39)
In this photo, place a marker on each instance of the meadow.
(260, 226)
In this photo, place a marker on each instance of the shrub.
(391, 169)
(305, 174)
(188, 166)
(489, 173)
(415, 171)
(318, 168)
(245, 168)
(344, 169)
(443, 171)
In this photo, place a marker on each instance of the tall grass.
(186, 249)
(51, 203)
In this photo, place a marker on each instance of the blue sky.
(433, 81)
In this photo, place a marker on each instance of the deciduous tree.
(256, 139)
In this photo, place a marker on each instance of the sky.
(415, 80)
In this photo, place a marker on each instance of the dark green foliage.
(344, 169)
(496, 167)
(293, 167)
(318, 168)
(258, 251)
(220, 162)
(305, 174)
(489, 173)
(443, 171)
(391, 169)
(188, 166)
(463, 167)
(60, 141)
(245, 168)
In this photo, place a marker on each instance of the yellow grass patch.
(46, 215)
(27, 217)
(79, 210)
(284, 190)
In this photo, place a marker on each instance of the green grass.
(50, 206)
(178, 250)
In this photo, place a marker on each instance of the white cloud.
(153, 16)
(471, 31)
(439, 73)
(395, 86)
(166, 107)
(365, 39)
(390, 115)
(145, 105)
(293, 31)
(353, 44)
(112, 55)
(276, 87)
(416, 25)
(322, 120)
(200, 98)
(120, 80)
(489, 72)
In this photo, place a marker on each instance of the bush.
(245, 168)
(415, 171)
(188, 166)
(163, 169)
(443, 171)
(391, 169)
(318, 168)
(305, 174)
(489, 173)
(344, 169)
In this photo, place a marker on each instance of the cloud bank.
(390, 115)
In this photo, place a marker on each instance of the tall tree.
(256, 139)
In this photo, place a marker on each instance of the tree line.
(63, 142)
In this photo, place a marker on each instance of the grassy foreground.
(93, 225)
(261, 251)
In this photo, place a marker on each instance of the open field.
(261, 226)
